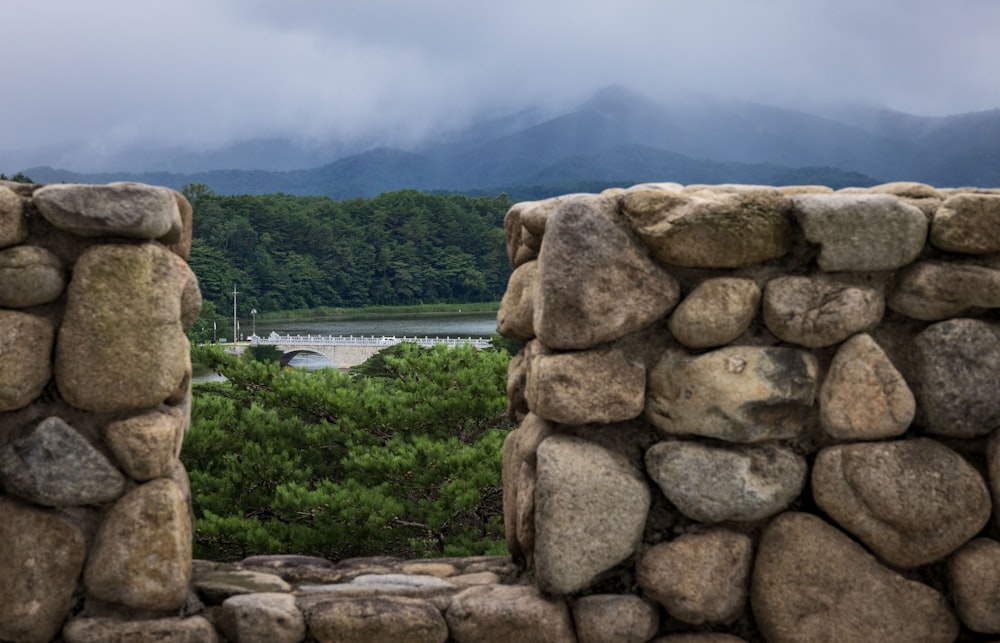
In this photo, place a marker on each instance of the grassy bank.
(378, 312)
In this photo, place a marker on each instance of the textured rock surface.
(863, 396)
(13, 225)
(595, 282)
(41, 558)
(29, 276)
(974, 571)
(699, 578)
(590, 508)
(116, 209)
(377, 619)
(931, 291)
(215, 588)
(147, 445)
(599, 385)
(262, 618)
(515, 319)
(968, 223)
(25, 358)
(142, 554)
(911, 501)
(715, 313)
(711, 228)
(614, 618)
(54, 465)
(121, 345)
(955, 381)
(812, 583)
(195, 629)
(737, 394)
(861, 232)
(504, 613)
(816, 313)
(715, 483)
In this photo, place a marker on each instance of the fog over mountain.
(192, 86)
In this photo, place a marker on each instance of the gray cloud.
(107, 73)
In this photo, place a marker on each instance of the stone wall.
(763, 413)
(95, 374)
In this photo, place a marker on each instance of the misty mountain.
(617, 137)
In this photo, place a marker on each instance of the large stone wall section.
(805, 384)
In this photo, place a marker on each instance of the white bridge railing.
(275, 339)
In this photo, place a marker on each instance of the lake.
(430, 325)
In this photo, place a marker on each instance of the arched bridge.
(350, 351)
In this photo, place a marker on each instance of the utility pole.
(236, 337)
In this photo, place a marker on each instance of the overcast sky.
(110, 72)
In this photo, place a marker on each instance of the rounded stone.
(505, 613)
(699, 578)
(974, 571)
(811, 582)
(911, 501)
(864, 397)
(816, 313)
(614, 618)
(712, 483)
(932, 291)
(121, 345)
(715, 313)
(376, 619)
(955, 379)
(515, 317)
(967, 223)
(861, 232)
(13, 225)
(25, 358)
(41, 559)
(29, 276)
(146, 445)
(590, 509)
(116, 209)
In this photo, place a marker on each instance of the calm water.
(474, 325)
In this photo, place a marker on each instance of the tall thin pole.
(236, 337)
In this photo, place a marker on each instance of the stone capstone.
(711, 228)
(179, 241)
(599, 385)
(265, 617)
(737, 394)
(376, 619)
(515, 318)
(116, 209)
(141, 556)
(715, 313)
(596, 282)
(29, 276)
(147, 445)
(41, 559)
(504, 613)
(614, 618)
(863, 396)
(714, 483)
(54, 465)
(699, 578)
(816, 313)
(861, 232)
(967, 223)
(590, 509)
(932, 291)
(811, 582)
(13, 225)
(974, 571)
(955, 378)
(25, 358)
(195, 629)
(911, 501)
(121, 345)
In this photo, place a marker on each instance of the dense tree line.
(287, 252)
(400, 457)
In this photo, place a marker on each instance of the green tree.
(401, 458)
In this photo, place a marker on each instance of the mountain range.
(617, 137)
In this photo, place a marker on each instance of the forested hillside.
(287, 252)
